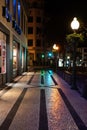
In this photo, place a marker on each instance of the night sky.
(60, 14)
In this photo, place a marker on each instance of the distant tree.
(74, 37)
(73, 40)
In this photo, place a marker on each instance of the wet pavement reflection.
(41, 100)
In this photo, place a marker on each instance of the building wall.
(36, 11)
(84, 56)
(15, 34)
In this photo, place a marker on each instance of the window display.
(14, 57)
(0, 57)
(2, 53)
(22, 58)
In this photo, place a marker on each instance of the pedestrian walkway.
(78, 103)
(41, 100)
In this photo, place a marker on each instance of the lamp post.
(55, 47)
(75, 26)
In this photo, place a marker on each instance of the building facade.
(35, 30)
(13, 40)
(82, 59)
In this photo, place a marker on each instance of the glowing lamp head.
(55, 47)
(75, 24)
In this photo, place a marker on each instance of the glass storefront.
(22, 58)
(2, 52)
(15, 58)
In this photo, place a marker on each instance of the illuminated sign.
(8, 16)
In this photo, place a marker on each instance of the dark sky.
(60, 14)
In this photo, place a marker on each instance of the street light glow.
(75, 24)
(55, 47)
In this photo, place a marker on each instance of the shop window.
(22, 58)
(2, 53)
(14, 57)
(0, 57)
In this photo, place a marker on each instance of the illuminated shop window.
(14, 57)
(22, 57)
(2, 53)
(0, 56)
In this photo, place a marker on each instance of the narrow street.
(41, 100)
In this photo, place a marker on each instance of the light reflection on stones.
(59, 117)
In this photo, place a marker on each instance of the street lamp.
(56, 48)
(75, 26)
